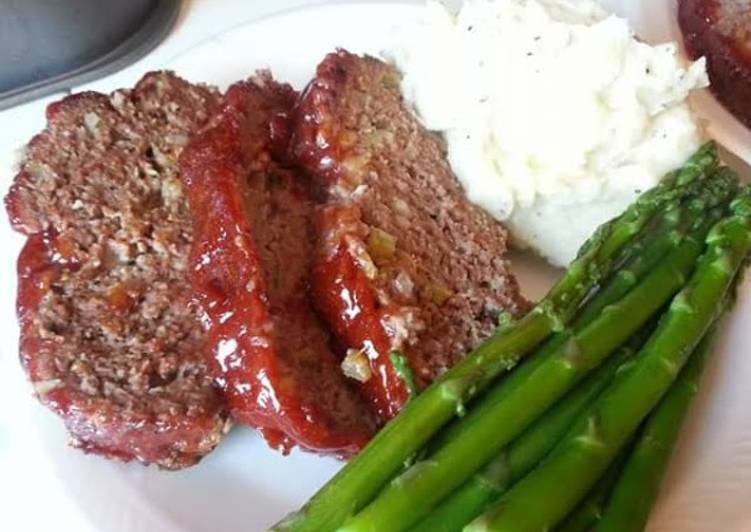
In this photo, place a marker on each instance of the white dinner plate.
(244, 486)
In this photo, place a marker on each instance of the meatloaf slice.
(108, 337)
(250, 267)
(720, 30)
(405, 263)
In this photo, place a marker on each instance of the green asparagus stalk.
(704, 161)
(537, 502)
(589, 512)
(701, 209)
(635, 493)
(711, 195)
(636, 490)
(470, 500)
(521, 455)
(361, 479)
(521, 398)
(596, 256)
(473, 496)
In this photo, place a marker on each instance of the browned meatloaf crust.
(720, 30)
(108, 337)
(405, 262)
(250, 266)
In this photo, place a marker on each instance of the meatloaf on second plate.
(108, 338)
(720, 30)
(250, 267)
(405, 263)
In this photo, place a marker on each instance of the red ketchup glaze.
(40, 264)
(345, 295)
(98, 426)
(228, 280)
(721, 32)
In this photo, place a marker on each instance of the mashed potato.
(555, 116)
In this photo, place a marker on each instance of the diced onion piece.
(357, 250)
(356, 366)
(356, 166)
(380, 137)
(381, 245)
(403, 284)
(171, 191)
(439, 293)
(391, 80)
(91, 121)
(44, 387)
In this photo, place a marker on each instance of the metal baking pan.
(48, 46)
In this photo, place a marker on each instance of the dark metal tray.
(48, 46)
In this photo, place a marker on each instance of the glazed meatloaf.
(407, 270)
(250, 267)
(720, 30)
(108, 337)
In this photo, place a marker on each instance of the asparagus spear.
(635, 493)
(521, 398)
(521, 455)
(638, 259)
(712, 193)
(356, 484)
(596, 256)
(704, 161)
(537, 502)
(636, 489)
(702, 210)
(468, 501)
(589, 512)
